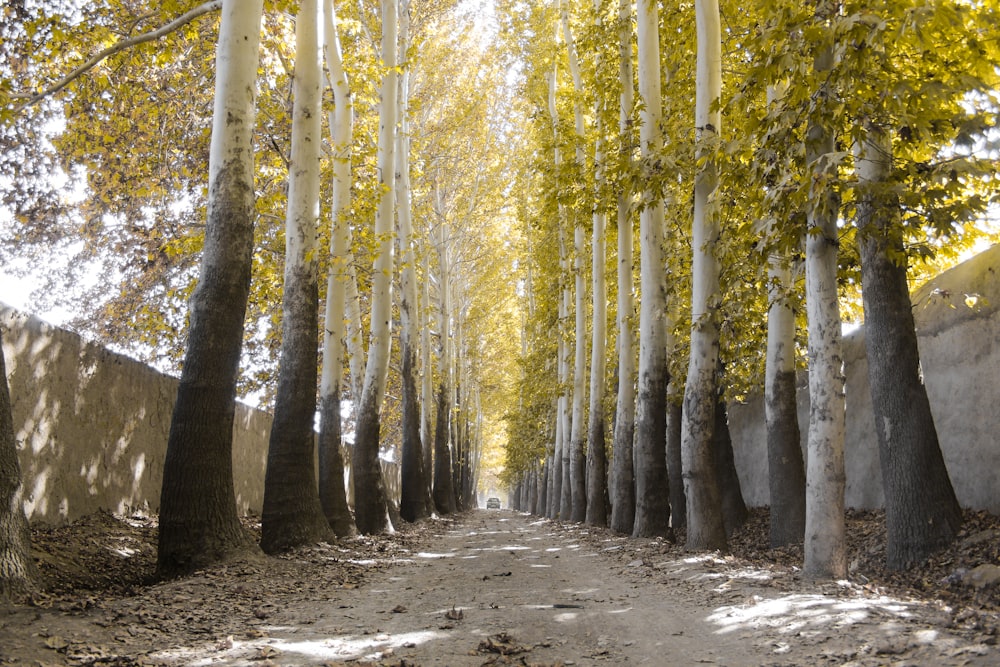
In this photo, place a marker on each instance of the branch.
(179, 22)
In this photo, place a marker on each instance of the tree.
(825, 544)
(577, 457)
(413, 504)
(332, 491)
(622, 471)
(705, 526)
(292, 513)
(597, 457)
(786, 471)
(652, 506)
(199, 523)
(922, 512)
(444, 486)
(18, 574)
(369, 487)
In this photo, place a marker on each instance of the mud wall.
(91, 425)
(958, 325)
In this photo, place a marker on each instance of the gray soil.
(490, 588)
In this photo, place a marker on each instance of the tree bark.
(412, 506)
(577, 460)
(786, 471)
(825, 543)
(292, 513)
(332, 490)
(444, 493)
(652, 506)
(199, 523)
(675, 468)
(18, 575)
(705, 524)
(921, 511)
(623, 472)
(578, 431)
(597, 456)
(370, 502)
(734, 508)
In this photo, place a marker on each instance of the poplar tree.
(825, 540)
(199, 523)
(652, 507)
(370, 501)
(705, 525)
(622, 471)
(332, 491)
(292, 513)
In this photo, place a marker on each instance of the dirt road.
(494, 587)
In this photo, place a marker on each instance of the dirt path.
(494, 587)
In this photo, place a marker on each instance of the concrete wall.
(958, 325)
(91, 425)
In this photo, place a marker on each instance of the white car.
(493, 503)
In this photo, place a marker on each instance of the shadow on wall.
(91, 426)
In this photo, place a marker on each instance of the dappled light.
(93, 426)
(463, 590)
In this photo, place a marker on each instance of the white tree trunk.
(705, 526)
(565, 381)
(369, 488)
(577, 470)
(563, 500)
(652, 492)
(199, 524)
(341, 130)
(444, 490)
(331, 458)
(597, 464)
(623, 473)
(825, 550)
(426, 379)
(292, 513)
(412, 504)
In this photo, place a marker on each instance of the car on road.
(493, 503)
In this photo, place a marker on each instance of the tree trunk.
(412, 506)
(734, 508)
(675, 469)
(444, 493)
(825, 544)
(652, 506)
(370, 502)
(18, 575)
(332, 491)
(597, 458)
(921, 511)
(577, 469)
(292, 513)
(543, 489)
(623, 473)
(555, 490)
(786, 471)
(426, 386)
(199, 523)
(578, 433)
(705, 524)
